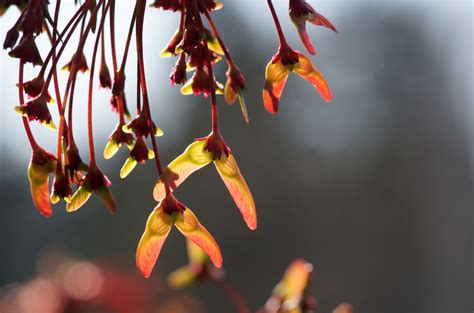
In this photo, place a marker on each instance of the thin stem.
(102, 41)
(72, 22)
(21, 96)
(146, 105)
(129, 37)
(73, 71)
(219, 38)
(112, 35)
(54, 39)
(139, 100)
(91, 87)
(233, 293)
(214, 111)
(277, 24)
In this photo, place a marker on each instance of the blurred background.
(375, 189)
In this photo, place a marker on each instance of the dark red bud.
(74, 161)
(140, 151)
(81, 65)
(192, 36)
(172, 5)
(11, 38)
(172, 205)
(286, 55)
(95, 179)
(32, 20)
(216, 145)
(104, 76)
(37, 110)
(119, 83)
(178, 74)
(27, 51)
(139, 125)
(61, 185)
(172, 44)
(236, 79)
(34, 87)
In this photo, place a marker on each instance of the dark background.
(375, 189)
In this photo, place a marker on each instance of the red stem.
(233, 293)
(146, 105)
(112, 35)
(219, 38)
(277, 24)
(21, 97)
(129, 37)
(54, 39)
(214, 111)
(91, 87)
(72, 22)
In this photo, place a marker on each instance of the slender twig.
(21, 97)
(214, 111)
(233, 293)
(146, 105)
(91, 88)
(277, 24)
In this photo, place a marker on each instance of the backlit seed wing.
(192, 159)
(276, 75)
(157, 229)
(111, 149)
(182, 277)
(188, 224)
(78, 199)
(306, 69)
(128, 167)
(238, 188)
(39, 186)
(195, 254)
(318, 19)
(344, 308)
(296, 279)
(300, 24)
(107, 198)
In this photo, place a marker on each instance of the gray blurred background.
(375, 189)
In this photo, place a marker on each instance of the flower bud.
(81, 65)
(37, 110)
(178, 74)
(11, 38)
(27, 51)
(104, 76)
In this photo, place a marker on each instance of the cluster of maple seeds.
(197, 49)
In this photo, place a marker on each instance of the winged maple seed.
(287, 60)
(37, 110)
(291, 294)
(94, 181)
(198, 268)
(42, 163)
(171, 212)
(199, 154)
(198, 47)
(300, 12)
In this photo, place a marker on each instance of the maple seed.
(283, 62)
(171, 212)
(42, 163)
(300, 11)
(199, 154)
